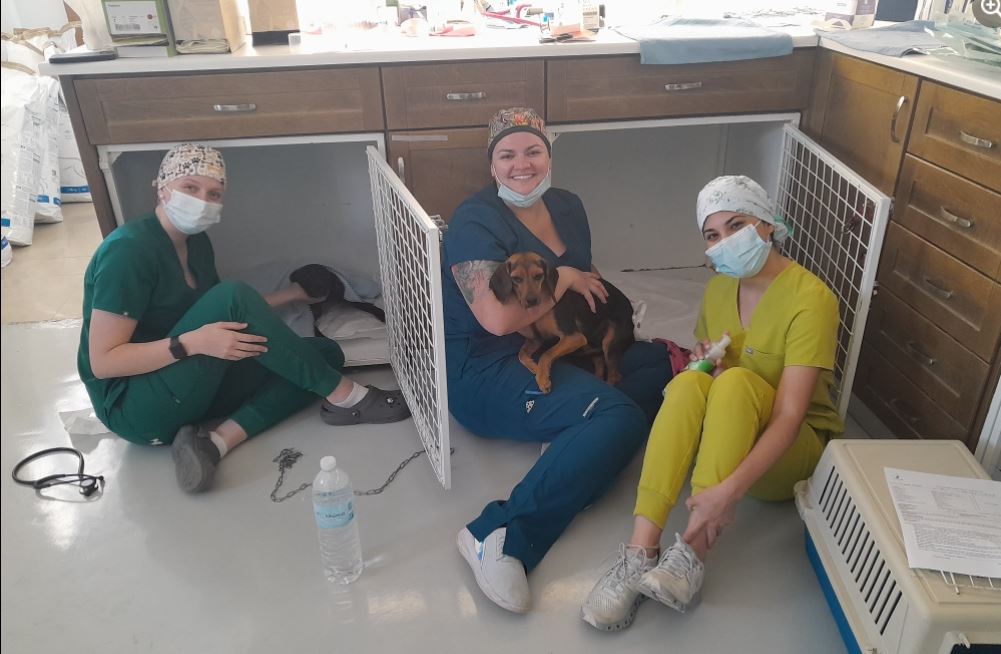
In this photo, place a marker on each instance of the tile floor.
(44, 280)
(146, 567)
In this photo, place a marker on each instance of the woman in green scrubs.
(166, 345)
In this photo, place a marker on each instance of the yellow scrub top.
(795, 324)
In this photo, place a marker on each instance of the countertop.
(490, 44)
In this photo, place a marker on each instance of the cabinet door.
(441, 168)
(861, 112)
(410, 265)
(837, 224)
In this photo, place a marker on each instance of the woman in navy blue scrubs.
(593, 429)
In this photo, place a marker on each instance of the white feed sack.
(48, 208)
(22, 113)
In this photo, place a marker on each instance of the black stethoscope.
(89, 484)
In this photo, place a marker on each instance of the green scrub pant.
(256, 393)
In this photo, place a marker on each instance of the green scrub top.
(136, 273)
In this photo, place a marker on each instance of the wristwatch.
(177, 348)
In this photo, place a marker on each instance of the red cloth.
(678, 355)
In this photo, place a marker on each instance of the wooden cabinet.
(230, 105)
(441, 167)
(619, 87)
(930, 358)
(861, 111)
(458, 95)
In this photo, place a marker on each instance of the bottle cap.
(328, 463)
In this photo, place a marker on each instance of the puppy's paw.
(544, 382)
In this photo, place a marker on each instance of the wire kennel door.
(410, 267)
(837, 221)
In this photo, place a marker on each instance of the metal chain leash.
(288, 458)
(285, 460)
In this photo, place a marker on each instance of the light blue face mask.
(742, 254)
(524, 201)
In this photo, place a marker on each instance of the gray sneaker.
(677, 579)
(377, 407)
(612, 603)
(195, 459)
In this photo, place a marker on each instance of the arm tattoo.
(471, 274)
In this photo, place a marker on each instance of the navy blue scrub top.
(483, 228)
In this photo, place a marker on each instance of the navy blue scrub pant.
(594, 430)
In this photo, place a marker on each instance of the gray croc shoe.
(377, 407)
(195, 459)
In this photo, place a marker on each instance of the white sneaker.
(501, 577)
(677, 579)
(612, 603)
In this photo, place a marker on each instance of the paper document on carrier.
(949, 523)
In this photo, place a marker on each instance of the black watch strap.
(177, 348)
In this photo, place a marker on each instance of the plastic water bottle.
(333, 506)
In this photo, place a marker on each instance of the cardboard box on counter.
(272, 16)
(215, 20)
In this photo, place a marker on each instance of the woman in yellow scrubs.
(755, 425)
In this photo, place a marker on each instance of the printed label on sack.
(334, 516)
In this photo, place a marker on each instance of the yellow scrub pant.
(716, 422)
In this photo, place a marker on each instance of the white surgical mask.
(191, 215)
(742, 254)
(524, 201)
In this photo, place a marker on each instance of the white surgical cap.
(742, 195)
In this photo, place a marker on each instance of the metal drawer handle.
(896, 403)
(943, 293)
(235, 108)
(917, 352)
(683, 86)
(893, 121)
(965, 223)
(465, 97)
(975, 141)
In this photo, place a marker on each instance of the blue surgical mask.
(524, 201)
(191, 215)
(742, 254)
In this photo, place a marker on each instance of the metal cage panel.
(410, 267)
(837, 221)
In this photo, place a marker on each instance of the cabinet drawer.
(609, 88)
(958, 131)
(945, 371)
(961, 217)
(957, 298)
(230, 105)
(455, 95)
(899, 403)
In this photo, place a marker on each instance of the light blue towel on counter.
(699, 40)
(893, 40)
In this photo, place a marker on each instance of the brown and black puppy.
(571, 327)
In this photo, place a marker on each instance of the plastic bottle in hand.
(333, 506)
(715, 352)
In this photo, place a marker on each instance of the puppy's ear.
(500, 283)
(551, 279)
